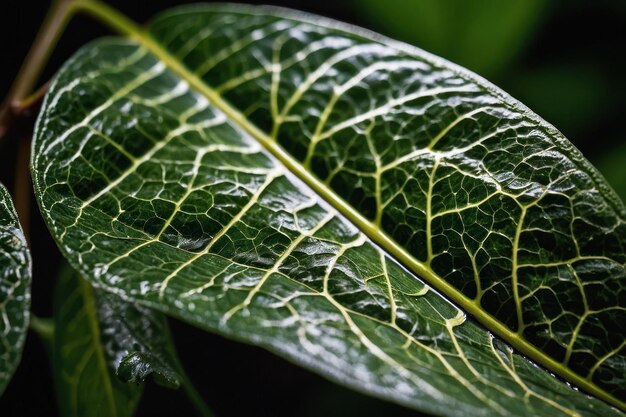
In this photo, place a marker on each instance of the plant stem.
(43, 327)
(19, 100)
(193, 395)
(55, 22)
(109, 16)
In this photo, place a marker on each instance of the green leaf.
(137, 341)
(483, 35)
(15, 276)
(137, 366)
(104, 348)
(83, 363)
(261, 174)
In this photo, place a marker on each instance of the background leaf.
(84, 367)
(137, 342)
(105, 348)
(15, 276)
(613, 164)
(246, 249)
(137, 366)
(482, 35)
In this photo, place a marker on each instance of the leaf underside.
(15, 276)
(159, 192)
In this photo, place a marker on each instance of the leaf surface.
(15, 277)
(137, 342)
(260, 175)
(463, 184)
(84, 366)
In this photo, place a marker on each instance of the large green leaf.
(260, 174)
(15, 275)
(484, 200)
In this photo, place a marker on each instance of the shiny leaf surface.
(487, 202)
(136, 342)
(15, 276)
(193, 173)
(83, 364)
(137, 366)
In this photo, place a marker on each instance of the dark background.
(565, 59)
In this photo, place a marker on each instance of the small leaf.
(85, 380)
(260, 174)
(15, 277)
(137, 341)
(137, 366)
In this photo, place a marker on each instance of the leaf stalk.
(46, 39)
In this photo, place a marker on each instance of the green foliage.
(218, 214)
(365, 209)
(104, 348)
(137, 342)
(482, 35)
(83, 363)
(15, 275)
(572, 87)
(612, 163)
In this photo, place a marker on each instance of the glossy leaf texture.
(137, 341)
(160, 191)
(15, 277)
(479, 192)
(95, 334)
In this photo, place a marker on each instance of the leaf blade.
(494, 176)
(84, 379)
(15, 277)
(137, 342)
(176, 259)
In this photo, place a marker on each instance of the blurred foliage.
(562, 58)
(613, 165)
(482, 35)
(572, 95)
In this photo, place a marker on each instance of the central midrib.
(122, 24)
